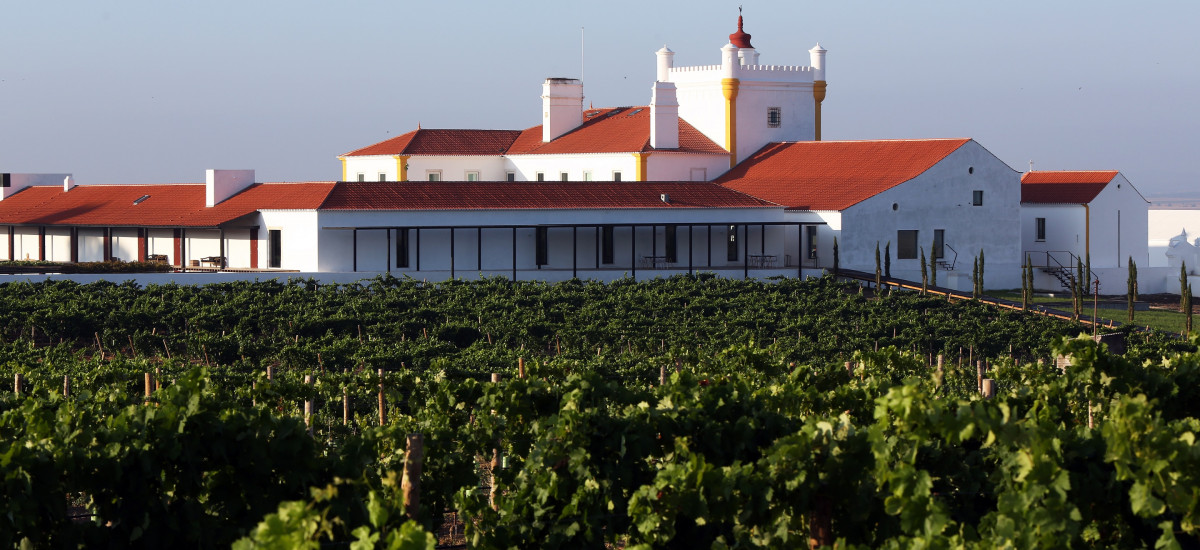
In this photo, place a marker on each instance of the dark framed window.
(939, 243)
(512, 176)
(731, 253)
(541, 176)
(362, 176)
(382, 176)
(977, 197)
(402, 247)
(906, 244)
(606, 244)
(616, 176)
(1040, 228)
(542, 244)
(274, 248)
(672, 243)
(774, 117)
(563, 176)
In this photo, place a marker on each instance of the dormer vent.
(665, 198)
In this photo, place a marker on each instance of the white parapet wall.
(17, 182)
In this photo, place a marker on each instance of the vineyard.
(691, 412)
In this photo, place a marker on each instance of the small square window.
(512, 176)
(362, 176)
(472, 175)
(977, 198)
(774, 117)
(434, 175)
(541, 176)
(563, 176)
(617, 176)
(587, 175)
(382, 176)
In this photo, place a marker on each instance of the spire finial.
(740, 38)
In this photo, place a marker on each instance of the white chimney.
(222, 184)
(68, 183)
(562, 106)
(664, 116)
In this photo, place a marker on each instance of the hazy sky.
(152, 91)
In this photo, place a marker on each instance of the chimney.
(664, 116)
(68, 183)
(222, 184)
(562, 106)
(666, 61)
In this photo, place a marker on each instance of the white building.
(949, 197)
(1071, 216)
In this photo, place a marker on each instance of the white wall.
(668, 166)
(941, 198)
(1119, 221)
(301, 239)
(1064, 232)
(1162, 224)
(601, 165)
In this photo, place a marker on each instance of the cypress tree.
(1182, 283)
(1024, 290)
(878, 271)
(981, 272)
(1131, 288)
(975, 277)
(1187, 327)
(924, 274)
(933, 268)
(887, 260)
(835, 256)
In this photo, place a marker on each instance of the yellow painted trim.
(639, 171)
(819, 96)
(729, 87)
(401, 167)
(343, 159)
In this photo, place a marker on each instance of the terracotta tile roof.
(165, 205)
(443, 142)
(834, 175)
(504, 195)
(615, 130)
(1064, 187)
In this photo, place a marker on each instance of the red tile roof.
(165, 205)
(443, 142)
(422, 195)
(615, 130)
(1064, 187)
(834, 175)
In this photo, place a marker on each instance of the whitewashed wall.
(668, 166)
(1119, 223)
(301, 239)
(941, 198)
(601, 166)
(1163, 224)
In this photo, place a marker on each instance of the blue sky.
(142, 91)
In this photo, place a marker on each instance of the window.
(977, 198)
(511, 176)
(1040, 228)
(606, 244)
(812, 241)
(382, 176)
(362, 176)
(274, 248)
(434, 175)
(774, 117)
(731, 252)
(563, 176)
(587, 175)
(672, 243)
(939, 243)
(472, 175)
(906, 244)
(541, 176)
(617, 175)
(402, 247)
(542, 245)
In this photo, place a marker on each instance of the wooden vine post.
(149, 385)
(521, 368)
(989, 388)
(382, 412)
(495, 463)
(66, 386)
(979, 376)
(308, 406)
(18, 382)
(410, 483)
(345, 406)
(820, 523)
